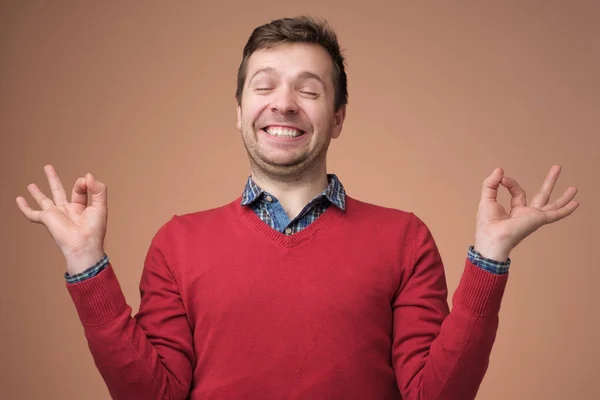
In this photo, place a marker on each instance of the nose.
(284, 102)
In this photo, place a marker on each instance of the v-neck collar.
(282, 239)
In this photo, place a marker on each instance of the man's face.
(287, 116)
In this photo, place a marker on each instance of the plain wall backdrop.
(141, 94)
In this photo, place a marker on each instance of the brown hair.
(297, 30)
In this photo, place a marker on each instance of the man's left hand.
(499, 231)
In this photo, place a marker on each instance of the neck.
(293, 194)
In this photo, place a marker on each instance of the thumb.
(97, 191)
(489, 190)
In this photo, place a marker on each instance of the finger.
(43, 201)
(56, 187)
(79, 193)
(541, 198)
(489, 191)
(556, 215)
(97, 191)
(27, 211)
(518, 196)
(567, 196)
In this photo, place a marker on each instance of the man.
(295, 290)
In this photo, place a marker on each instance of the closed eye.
(308, 93)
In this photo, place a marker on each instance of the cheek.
(319, 117)
(252, 109)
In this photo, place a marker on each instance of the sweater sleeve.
(439, 354)
(150, 355)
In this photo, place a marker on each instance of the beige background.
(142, 95)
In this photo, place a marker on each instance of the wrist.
(492, 251)
(83, 259)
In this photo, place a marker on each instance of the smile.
(281, 131)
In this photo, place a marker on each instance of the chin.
(283, 164)
(282, 167)
(280, 158)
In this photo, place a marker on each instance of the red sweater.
(352, 307)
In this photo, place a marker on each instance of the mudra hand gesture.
(77, 228)
(499, 231)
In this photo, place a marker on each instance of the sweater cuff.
(98, 300)
(479, 291)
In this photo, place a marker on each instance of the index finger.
(517, 194)
(489, 191)
(79, 194)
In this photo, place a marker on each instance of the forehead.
(292, 59)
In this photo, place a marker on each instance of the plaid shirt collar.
(334, 192)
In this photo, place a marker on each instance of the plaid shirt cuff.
(88, 273)
(495, 267)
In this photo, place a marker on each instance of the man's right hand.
(78, 229)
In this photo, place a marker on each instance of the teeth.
(283, 132)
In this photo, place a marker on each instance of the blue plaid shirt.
(268, 208)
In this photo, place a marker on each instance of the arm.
(439, 354)
(444, 355)
(149, 356)
(146, 357)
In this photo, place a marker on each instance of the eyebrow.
(303, 75)
(266, 70)
(310, 75)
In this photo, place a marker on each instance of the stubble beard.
(297, 169)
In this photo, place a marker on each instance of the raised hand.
(78, 229)
(499, 231)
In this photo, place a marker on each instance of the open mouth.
(283, 131)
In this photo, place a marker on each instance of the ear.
(338, 122)
(239, 117)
